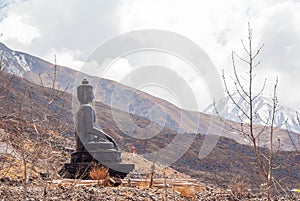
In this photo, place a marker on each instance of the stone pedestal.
(100, 153)
(82, 170)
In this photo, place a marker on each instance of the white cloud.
(65, 57)
(73, 29)
(69, 24)
(118, 69)
(17, 28)
(218, 27)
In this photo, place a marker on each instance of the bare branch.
(242, 59)
(237, 77)
(232, 99)
(240, 93)
(41, 80)
(255, 65)
(257, 52)
(55, 74)
(290, 137)
(245, 47)
(261, 90)
(261, 131)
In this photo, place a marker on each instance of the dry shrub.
(13, 168)
(239, 187)
(187, 191)
(99, 173)
(143, 184)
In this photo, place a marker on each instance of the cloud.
(66, 57)
(219, 26)
(282, 39)
(17, 28)
(281, 35)
(118, 69)
(73, 29)
(67, 24)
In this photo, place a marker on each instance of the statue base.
(93, 146)
(100, 154)
(82, 170)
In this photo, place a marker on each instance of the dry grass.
(143, 184)
(13, 168)
(238, 187)
(187, 191)
(99, 173)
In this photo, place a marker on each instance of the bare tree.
(50, 122)
(244, 88)
(33, 131)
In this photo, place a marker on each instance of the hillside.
(227, 160)
(168, 115)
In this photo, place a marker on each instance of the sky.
(72, 30)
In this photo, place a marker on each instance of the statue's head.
(85, 92)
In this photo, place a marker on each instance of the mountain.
(15, 62)
(153, 109)
(36, 70)
(22, 101)
(285, 118)
(42, 72)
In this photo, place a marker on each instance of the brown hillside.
(21, 99)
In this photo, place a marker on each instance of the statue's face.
(85, 94)
(90, 95)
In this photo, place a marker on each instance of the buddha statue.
(93, 145)
(87, 130)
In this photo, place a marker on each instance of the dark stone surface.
(93, 145)
(81, 170)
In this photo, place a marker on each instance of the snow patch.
(22, 62)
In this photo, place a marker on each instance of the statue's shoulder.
(86, 108)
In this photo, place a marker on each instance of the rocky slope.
(109, 194)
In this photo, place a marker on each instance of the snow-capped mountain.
(285, 118)
(35, 69)
(19, 63)
(13, 62)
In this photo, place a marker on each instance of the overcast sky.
(73, 29)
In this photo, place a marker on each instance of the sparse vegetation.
(144, 184)
(31, 132)
(239, 187)
(99, 173)
(187, 191)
